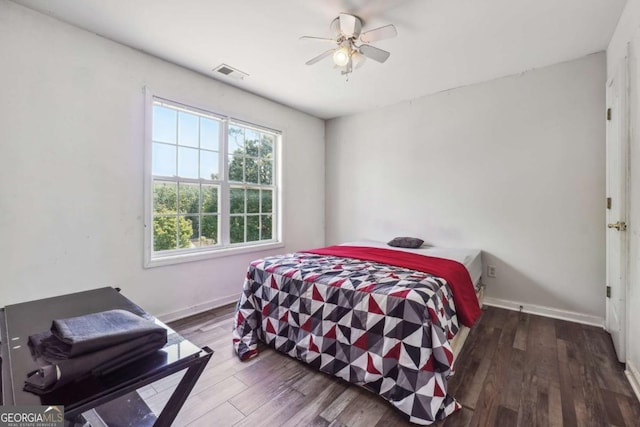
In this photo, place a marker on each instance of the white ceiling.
(441, 44)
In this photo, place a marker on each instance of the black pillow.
(406, 242)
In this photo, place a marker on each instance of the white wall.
(628, 32)
(71, 167)
(627, 26)
(514, 166)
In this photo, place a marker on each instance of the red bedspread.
(456, 275)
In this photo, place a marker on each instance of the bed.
(380, 317)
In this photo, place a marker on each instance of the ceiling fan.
(353, 45)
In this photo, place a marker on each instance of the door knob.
(620, 226)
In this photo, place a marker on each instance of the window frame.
(224, 248)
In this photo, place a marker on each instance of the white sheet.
(470, 258)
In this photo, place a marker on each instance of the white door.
(617, 169)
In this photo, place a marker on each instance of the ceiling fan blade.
(322, 39)
(386, 32)
(374, 53)
(350, 25)
(320, 57)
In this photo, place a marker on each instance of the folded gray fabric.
(54, 375)
(85, 334)
(94, 344)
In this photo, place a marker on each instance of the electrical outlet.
(491, 271)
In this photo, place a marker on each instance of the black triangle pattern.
(340, 336)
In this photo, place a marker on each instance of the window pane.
(165, 233)
(251, 170)
(164, 160)
(209, 165)
(209, 230)
(266, 146)
(266, 230)
(236, 140)
(164, 197)
(209, 199)
(236, 168)
(188, 129)
(189, 198)
(266, 172)
(236, 200)
(164, 124)
(253, 228)
(251, 141)
(267, 201)
(251, 135)
(209, 134)
(188, 162)
(188, 231)
(236, 229)
(253, 201)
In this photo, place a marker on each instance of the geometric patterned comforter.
(382, 327)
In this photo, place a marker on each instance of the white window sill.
(180, 258)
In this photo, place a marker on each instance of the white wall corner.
(551, 312)
(633, 375)
(198, 308)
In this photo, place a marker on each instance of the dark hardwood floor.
(515, 370)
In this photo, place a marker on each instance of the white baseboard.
(634, 378)
(540, 310)
(198, 308)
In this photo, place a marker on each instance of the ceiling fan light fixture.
(353, 45)
(341, 56)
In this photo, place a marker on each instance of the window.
(212, 184)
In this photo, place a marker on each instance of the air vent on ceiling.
(228, 71)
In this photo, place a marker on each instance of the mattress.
(470, 258)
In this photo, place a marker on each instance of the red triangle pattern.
(266, 309)
(239, 318)
(401, 293)
(437, 391)
(362, 342)
(373, 306)
(274, 284)
(285, 316)
(337, 283)
(449, 355)
(331, 333)
(290, 273)
(429, 365)
(367, 288)
(312, 345)
(316, 294)
(307, 325)
(394, 353)
(371, 367)
(270, 327)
